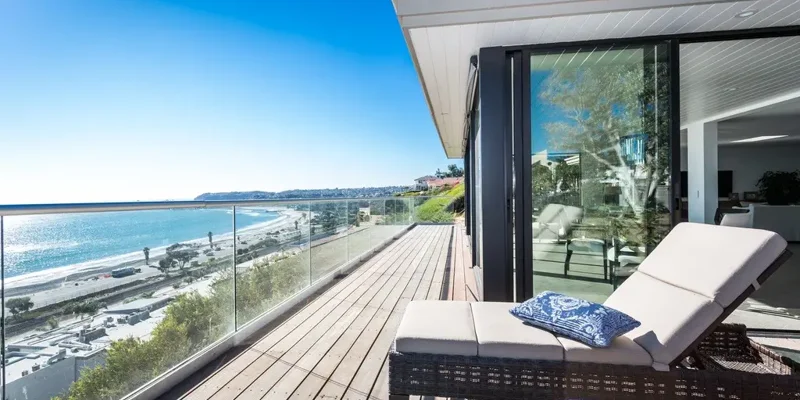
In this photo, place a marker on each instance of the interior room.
(740, 112)
(740, 139)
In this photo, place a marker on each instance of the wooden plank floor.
(336, 346)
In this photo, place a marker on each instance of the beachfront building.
(643, 114)
(45, 364)
(42, 372)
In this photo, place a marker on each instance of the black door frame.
(522, 123)
(510, 196)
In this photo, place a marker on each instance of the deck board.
(373, 363)
(430, 288)
(337, 345)
(237, 366)
(342, 377)
(437, 289)
(327, 368)
(365, 293)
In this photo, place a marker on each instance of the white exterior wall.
(51, 380)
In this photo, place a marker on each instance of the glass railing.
(100, 299)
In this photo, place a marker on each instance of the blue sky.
(106, 100)
(542, 114)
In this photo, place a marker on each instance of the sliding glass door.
(600, 165)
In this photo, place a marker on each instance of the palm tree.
(146, 251)
(210, 240)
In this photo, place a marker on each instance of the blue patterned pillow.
(581, 320)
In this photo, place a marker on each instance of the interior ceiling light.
(758, 139)
(745, 14)
(730, 89)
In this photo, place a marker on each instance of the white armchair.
(739, 220)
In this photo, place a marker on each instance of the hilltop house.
(439, 182)
(422, 183)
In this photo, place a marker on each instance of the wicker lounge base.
(487, 378)
(726, 365)
(681, 331)
(729, 349)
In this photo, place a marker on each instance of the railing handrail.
(72, 208)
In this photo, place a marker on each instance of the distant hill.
(306, 194)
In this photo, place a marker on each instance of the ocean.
(41, 242)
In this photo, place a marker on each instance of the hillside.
(443, 207)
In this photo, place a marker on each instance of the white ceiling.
(719, 79)
(774, 120)
(738, 129)
(442, 36)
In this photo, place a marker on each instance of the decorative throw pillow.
(593, 324)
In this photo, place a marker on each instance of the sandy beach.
(63, 283)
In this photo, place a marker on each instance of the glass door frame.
(506, 125)
(521, 131)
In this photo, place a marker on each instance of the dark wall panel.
(495, 169)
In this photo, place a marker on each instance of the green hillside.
(443, 207)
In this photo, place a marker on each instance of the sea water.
(41, 242)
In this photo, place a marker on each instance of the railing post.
(3, 308)
(235, 298)
(310, 253)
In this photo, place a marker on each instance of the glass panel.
(101, 303)
(599, 166)
(329, 243)
(3, 299)
(384, 221)
(408, 212)
(272, 257)
(477, 252)
(401, 214)
(362, 221)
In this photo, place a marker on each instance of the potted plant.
(780, 187)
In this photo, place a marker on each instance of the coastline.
(55, 279)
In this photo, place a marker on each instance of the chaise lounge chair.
(555, 222)
(689, 284)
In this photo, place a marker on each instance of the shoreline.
(55, 278)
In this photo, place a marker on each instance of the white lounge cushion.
(672, 318)
(555, 221)
(437, 327)
(500, 334)
(623, 351)
(719, 262)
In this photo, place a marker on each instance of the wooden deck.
(336, 346)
